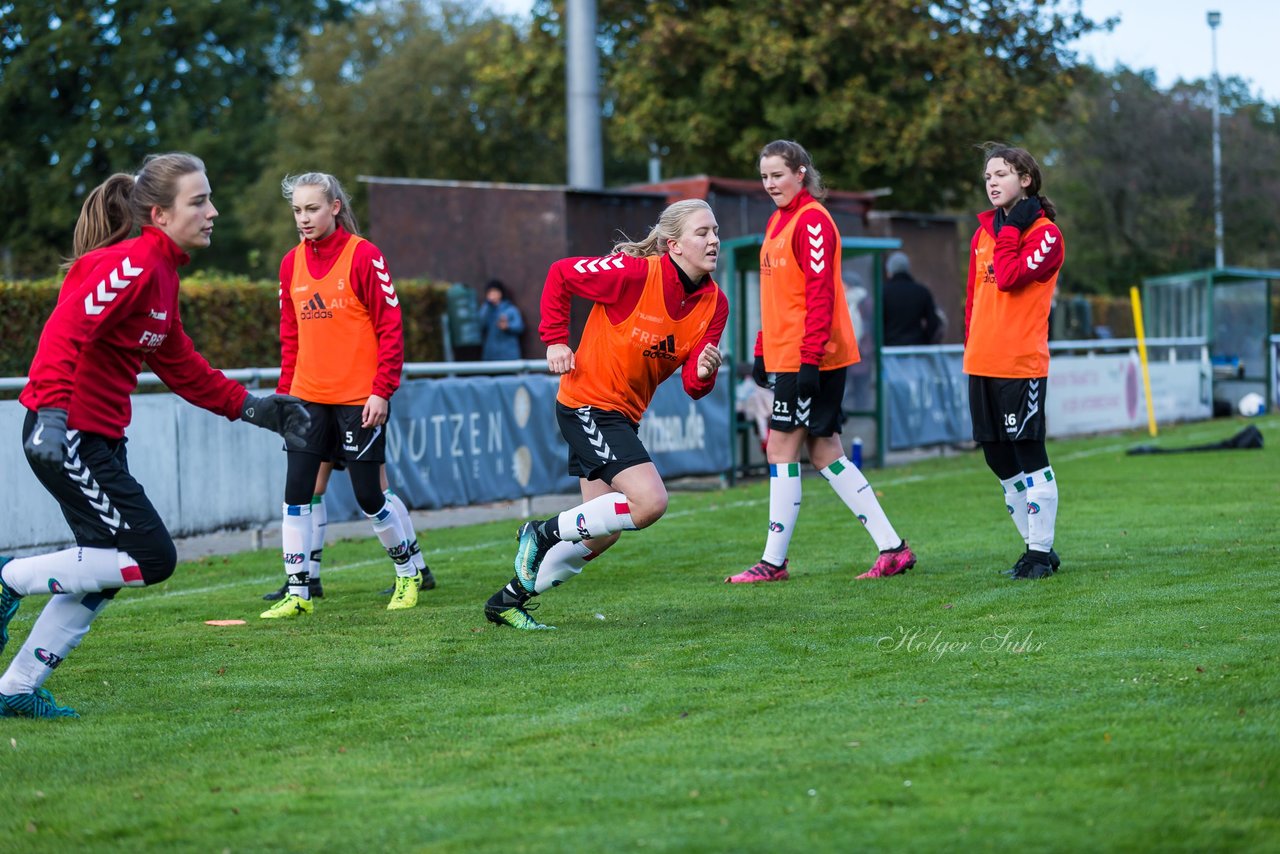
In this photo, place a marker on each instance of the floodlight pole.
(582, 95)
(1215, 18)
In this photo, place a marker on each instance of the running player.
(656, 311)
(118, 306)
(807, 339)
(342, 348)
(1014, 261)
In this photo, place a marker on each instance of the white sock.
(59, 629)
(561, 562)
(1015, 501)
(854, 490)
(605, 514)
(74, 570)
(386, 525)
(295, 542)
(1042, 509)
(319, 524)
(406, 524)
(784, 509)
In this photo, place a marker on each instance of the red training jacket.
(819, 287)
(118, 306)
(1009, 261)
(366, 267)
(617, 282)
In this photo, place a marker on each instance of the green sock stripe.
(836, 467)
(317, 499)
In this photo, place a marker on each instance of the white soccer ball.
(1252, 404)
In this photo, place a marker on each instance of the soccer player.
(320, 522)
(807, 339)
(342, 348)
(118, 306)
(657, 310)
(1014, 261)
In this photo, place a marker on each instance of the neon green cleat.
(290, 606)
(406, 593)
(38, 704)
(515, 617)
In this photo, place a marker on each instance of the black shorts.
(1007, 410)
(105, 507)
(821, 416)
(601, 442)
(335, 435)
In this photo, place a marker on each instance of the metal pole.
(1215, 18)
(582, 94)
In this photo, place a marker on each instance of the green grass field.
(1128, 703)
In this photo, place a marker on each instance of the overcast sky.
(1170, 36)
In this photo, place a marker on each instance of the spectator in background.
(500, 324)
(910, 316)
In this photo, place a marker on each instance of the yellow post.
(1142, 357)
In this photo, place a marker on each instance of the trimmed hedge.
(232, 320)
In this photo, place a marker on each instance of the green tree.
(396, 92)
(884, 93)
(1130, 169)
(90, 88)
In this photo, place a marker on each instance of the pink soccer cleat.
(760, 572)
(892, 562)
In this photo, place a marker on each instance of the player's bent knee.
(156, 563)
(645, 513)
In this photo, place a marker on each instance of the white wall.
(201, 471)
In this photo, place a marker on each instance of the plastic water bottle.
(855, 451)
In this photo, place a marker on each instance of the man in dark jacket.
(910, 316)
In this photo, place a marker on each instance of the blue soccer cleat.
(9, 602)
(37, 704)
(529, 555)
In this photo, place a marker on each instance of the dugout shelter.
(862, 262)
(1234, 309)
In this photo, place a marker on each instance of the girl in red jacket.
(342, 349)
(1014, 261)
(806, 339)
(118, 306)
(657, 311)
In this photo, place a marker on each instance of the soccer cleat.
(428, 582)
(37, 704)
(9, 602)
(288, 607)
(406, 592)
(529, 555)
(1034, 565)
(762, 571)
(892, 562)
(515, 616)
(1054, 562)
(313, 584)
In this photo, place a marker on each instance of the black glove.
(758, 373)
(281, 413)
(807, 381)
(47, 444)
(1024, 213)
